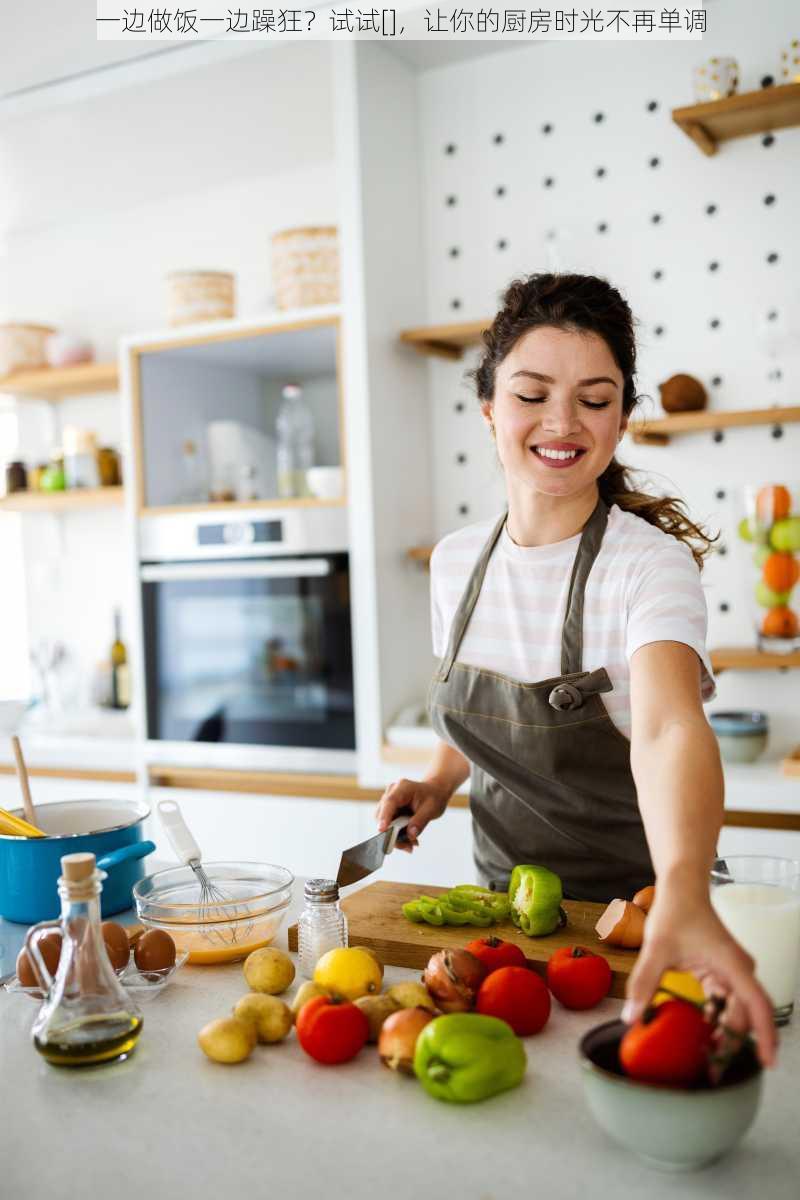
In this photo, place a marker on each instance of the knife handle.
(395, 830)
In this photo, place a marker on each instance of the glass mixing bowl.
(244, 913)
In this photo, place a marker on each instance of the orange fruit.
(773, 503)
(780, 622)
(781, 572)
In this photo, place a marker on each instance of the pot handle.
(135, 850)
(34, 954)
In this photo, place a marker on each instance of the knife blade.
(359, 861)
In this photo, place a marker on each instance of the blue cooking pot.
(30, 867)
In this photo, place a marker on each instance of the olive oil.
(96, 1039)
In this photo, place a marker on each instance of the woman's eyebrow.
(581, 382)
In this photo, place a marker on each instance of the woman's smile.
(558, 454)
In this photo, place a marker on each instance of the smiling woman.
(568, 625)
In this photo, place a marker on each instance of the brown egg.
(50, 949)
(154, 951)
(117, 945)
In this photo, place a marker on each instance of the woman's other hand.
(426, 799)
(684, 933)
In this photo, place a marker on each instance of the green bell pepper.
(535, 895)
(464, 1057)
(462, 905)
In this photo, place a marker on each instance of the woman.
(571, 639)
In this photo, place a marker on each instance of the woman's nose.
(561, 420)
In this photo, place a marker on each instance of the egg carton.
(143, 987)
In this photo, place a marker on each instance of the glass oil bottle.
(87, 1017)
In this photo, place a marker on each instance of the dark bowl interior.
(601, 1047)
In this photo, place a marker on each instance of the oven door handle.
(281, 568)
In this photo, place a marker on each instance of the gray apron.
(551, 779)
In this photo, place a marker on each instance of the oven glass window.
(259, 661)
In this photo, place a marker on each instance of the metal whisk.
(215, 904)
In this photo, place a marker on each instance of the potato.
(411, 995)
(271, 1018)
(307, 991)
(376, 1009)
(227, 1040)
(268, 970)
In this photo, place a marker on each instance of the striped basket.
(200, 296)
(22, 346)
(305, 266)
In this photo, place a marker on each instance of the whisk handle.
(178, 833)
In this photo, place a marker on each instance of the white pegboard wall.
(565, 157)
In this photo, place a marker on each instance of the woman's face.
(557, 411)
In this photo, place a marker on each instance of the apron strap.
(469, 600)
(572, 629)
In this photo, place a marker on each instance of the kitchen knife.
(361, 860)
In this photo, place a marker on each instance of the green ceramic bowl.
(674, 1129)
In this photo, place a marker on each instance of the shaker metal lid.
(321, 889)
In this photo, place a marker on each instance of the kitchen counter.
(168, 1123)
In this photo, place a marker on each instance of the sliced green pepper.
(535, 895)
(465, 1057)
(463, 905)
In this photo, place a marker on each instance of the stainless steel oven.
(246, 625)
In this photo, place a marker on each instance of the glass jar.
(87, 1016)
(322, 925)
(80, 458)
(769, 532)
(16, 477)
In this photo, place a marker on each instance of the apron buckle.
(565, 697)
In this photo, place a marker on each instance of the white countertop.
(168, 1123)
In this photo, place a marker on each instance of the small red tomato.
(516, 995)
(577, 977)
(493, 952)
(669, 1045)
(330, 1030)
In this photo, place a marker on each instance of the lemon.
(350, 973)
(682, 984)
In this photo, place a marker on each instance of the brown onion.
(644, 898)
(622, 924)
(398, 1038)
(453, 977)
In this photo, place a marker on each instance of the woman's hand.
(426, 799)
(683, 933)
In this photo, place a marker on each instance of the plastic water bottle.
(295, 430)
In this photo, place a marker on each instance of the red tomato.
(493, 952)
(577, 977)
(669, 1045)
(516, 995)
(331, 1031)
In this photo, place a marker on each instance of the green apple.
(785, 535)
(745, 530)
(769, 599)
(761, 555)
(52, 479)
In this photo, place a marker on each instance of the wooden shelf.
(262, 783)
(657, 432)
(445, 341)
(239, 505)
(744, 658)
(56, 383)
(740, 116)
(67, 501)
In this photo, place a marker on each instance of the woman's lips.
(558, 463)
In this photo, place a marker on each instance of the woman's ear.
(487, 412)
(623, 425)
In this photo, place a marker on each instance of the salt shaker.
(322, 925)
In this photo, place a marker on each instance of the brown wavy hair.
(587, 304)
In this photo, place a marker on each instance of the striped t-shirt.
(644, 587)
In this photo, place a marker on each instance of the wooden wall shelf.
(740, 116)
(744, 658)
(445, 341)
(239, 505)
(262, 783)
(67, 501)
(56, 383)
(658, 432)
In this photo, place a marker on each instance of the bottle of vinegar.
(295, 430)
(120, 677)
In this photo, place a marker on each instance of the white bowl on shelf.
(326, 483)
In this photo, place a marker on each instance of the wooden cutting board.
(375, 920)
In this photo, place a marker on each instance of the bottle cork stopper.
(75, 867)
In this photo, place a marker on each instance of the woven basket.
(22, 347)
(305, 266)
(200, 296)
